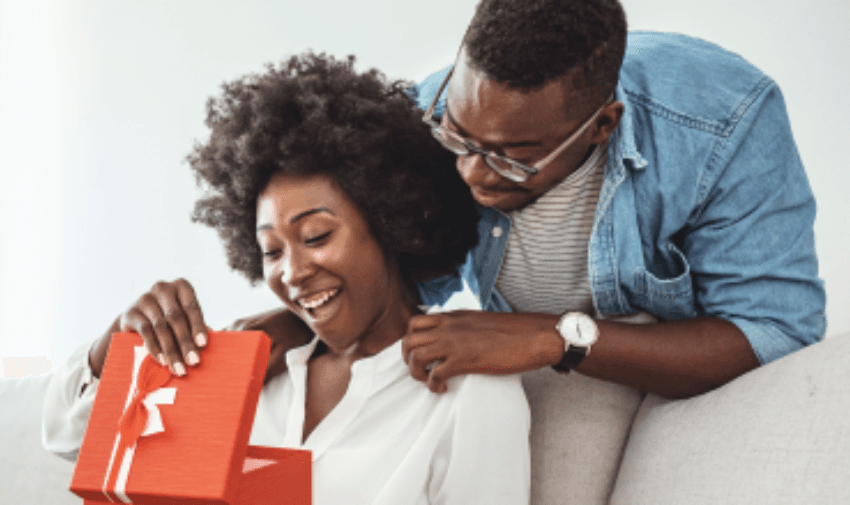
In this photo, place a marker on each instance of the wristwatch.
(579, 332)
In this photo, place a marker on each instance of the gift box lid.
(199, 456)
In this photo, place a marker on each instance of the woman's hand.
(169, 320)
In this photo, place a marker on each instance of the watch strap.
(572, 357)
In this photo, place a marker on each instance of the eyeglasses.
(506, 167)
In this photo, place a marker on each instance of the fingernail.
(192, 358)
(179, 369)
(201, 339)
(161, 359)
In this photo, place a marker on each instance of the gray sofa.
(778, 435)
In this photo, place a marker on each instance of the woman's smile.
(320, 306)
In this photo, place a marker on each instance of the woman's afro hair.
(314, 114)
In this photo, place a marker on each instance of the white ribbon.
(162, 396)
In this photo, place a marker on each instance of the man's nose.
(476, 172)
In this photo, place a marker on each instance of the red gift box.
(202, 453)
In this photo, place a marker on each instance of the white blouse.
(388, 441)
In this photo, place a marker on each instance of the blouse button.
(497, 231)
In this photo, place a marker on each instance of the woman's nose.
(297, 267)
(476, 173)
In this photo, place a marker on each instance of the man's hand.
(286, 332)
(440, 346)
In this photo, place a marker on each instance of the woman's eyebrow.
(302, 215)
(309, 213)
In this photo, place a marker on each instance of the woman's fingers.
(192, 310)
(177, 300)
(163, 333)
(135, 321)
(170, 321)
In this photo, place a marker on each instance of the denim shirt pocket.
(668, 298)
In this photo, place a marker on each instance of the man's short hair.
(524, 44)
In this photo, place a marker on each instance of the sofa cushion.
(579, 428)
(28, 473)
(777, 435)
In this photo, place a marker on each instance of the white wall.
(100, 101)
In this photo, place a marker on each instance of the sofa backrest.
(777, 435)
(579, 430)
(28, 473)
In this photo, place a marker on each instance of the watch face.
(579, 330)
(586, 331)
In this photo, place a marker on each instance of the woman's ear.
(607, 122)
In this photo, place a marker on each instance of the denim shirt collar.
(623, 139)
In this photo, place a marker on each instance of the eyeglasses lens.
(449, 141)
(502, 166)
(506, 169)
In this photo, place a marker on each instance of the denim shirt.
(705, 209)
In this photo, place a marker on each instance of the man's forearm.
(675, 358)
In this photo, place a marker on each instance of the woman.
(324, 183)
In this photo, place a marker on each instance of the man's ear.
(607, 122)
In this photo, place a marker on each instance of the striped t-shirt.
(544, 269)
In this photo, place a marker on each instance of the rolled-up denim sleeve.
(751, 244)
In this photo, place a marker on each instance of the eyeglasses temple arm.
(554, 154)
(430, 112)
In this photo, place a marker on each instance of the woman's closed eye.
(271, 254)
(318, 239)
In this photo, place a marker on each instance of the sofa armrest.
(777, 435)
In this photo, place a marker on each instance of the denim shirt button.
(497, 231)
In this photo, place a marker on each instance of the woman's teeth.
(318, 299)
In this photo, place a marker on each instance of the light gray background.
(101, 100)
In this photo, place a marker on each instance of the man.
(659, 184)
(669, 188)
